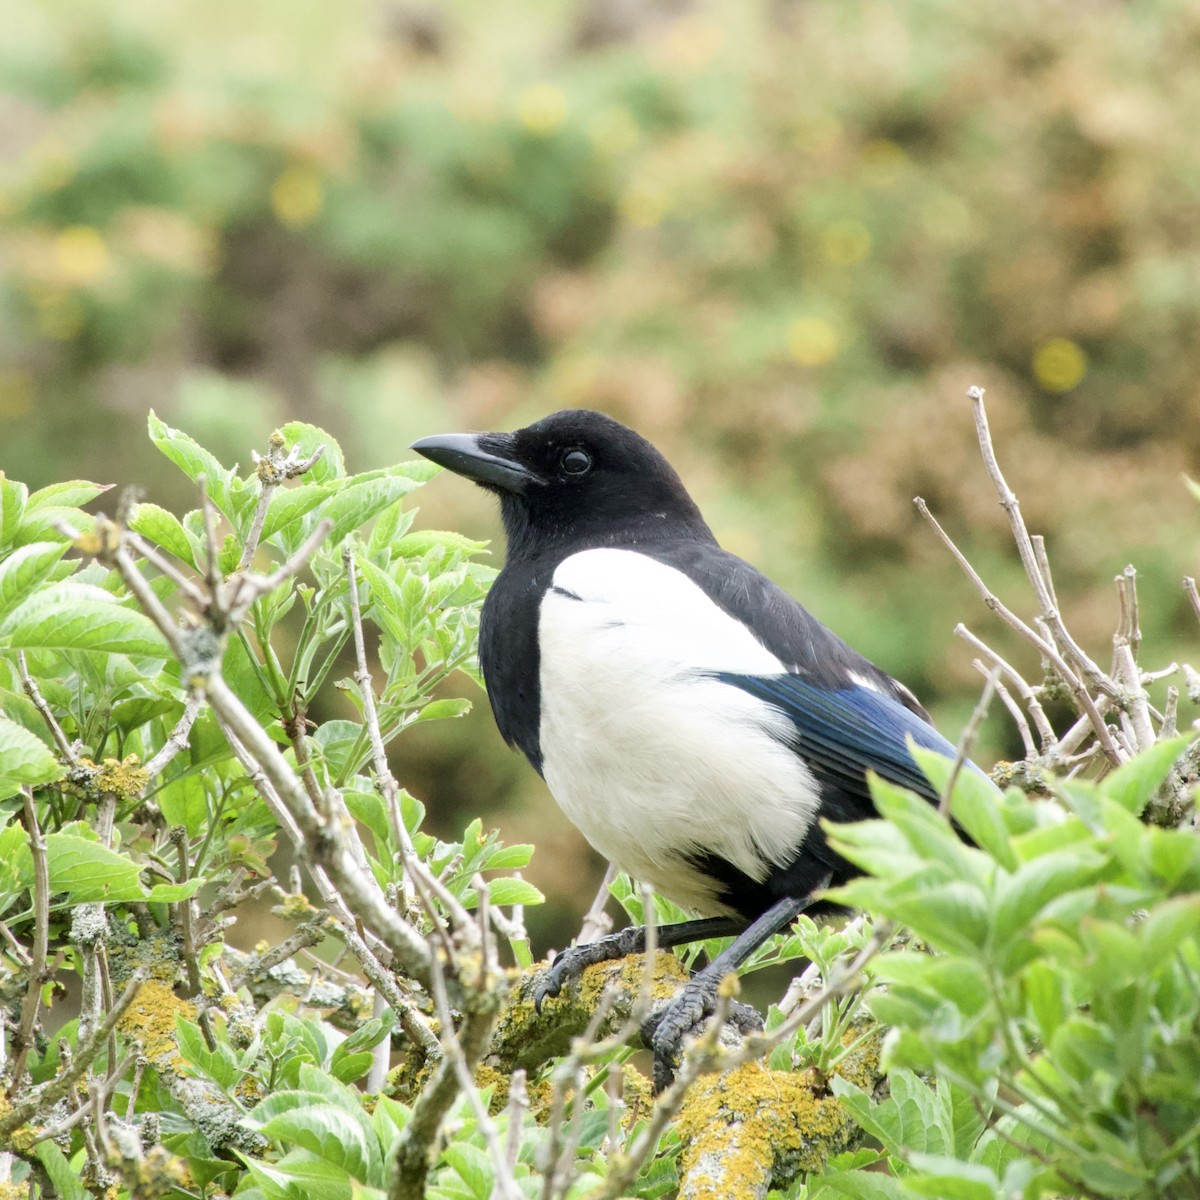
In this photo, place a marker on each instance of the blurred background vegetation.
(781, 237)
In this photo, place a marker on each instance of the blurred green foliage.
(781, 238)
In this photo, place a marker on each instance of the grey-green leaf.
(25, 760)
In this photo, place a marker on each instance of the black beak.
(487, 458)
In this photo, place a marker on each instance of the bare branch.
(272, 470)
(966, 743)
(1044, 647)
(1189, 586)
(39, 702)
(161, 562)
(1029, 698)
(178, 739)
(1042, 587)
(596, 922)
(31, 1004)
(319, 843)
(41, 1098)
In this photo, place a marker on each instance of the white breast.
(649, 756)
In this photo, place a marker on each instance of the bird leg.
(665, 1030)
(570, 963)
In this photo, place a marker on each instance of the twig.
(1040, 582)
(1170, 724)
(41, 1098)
(251, 587)
(160, 562)
(1189, 586)
(596, 922)
(212, 564)
(413, 867)
(39, 702)
(272, 469)
(1044, 647)
(411, 1162)
(1014, 710)
(623, 1168)
(1126, 640)
(518, 1106)
(317, 843)
(31, 1003)
(967, 741)
(178, 739)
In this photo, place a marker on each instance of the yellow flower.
(883, 162)
(645, 204)
(16, 395)
(614, 131)
(1059, 364)
(81, 255)
(542, 109)
(297, 196)
(845, 243)
(812, 341)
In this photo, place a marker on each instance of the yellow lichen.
(124, 778)
(158, 956)
(295, 906)
(751, 1118)
(14, 1191)
(150, 1020)
(669, 973)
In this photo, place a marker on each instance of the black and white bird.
(691, 718)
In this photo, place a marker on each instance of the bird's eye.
(576, 462)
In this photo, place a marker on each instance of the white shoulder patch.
(651, 757)
(648, 596)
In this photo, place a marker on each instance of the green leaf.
(42, 525)
(473, 1167)
(1021, 896)
(1168, 926)
(305, 439)
(297, 1176)
(25, 570)
(25, 760)
(947, 1179)
(74, 616)
(13, 496)
(357, 501)
(347, 1068)
(70, 494)
(439, 710)
(290, 504)
(172, 893)
(333, 1135)
(219, 1064)
(513, 891)
(975, 803)
(183, 802)
(193, 460)
(163, 529)
(1046, 997)
(1133, 785)
(859, 1185)
(419, 542)
(65, 1178)
(82, 870)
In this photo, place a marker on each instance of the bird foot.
(664, 1031)
(571, 963)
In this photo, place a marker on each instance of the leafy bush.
(1016, 1016)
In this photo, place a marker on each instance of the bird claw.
(664, 1031)
(550, 984)
(570, 963)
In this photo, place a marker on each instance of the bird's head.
(574, 478)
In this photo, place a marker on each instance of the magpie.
(689, 716)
